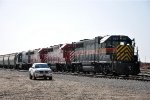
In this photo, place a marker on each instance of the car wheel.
(45, 78)
(50, 78)
(30, 76)
(34, 77)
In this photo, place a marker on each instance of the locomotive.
(111, 54)
(108, 55)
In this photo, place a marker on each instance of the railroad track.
(140, 77)
(143, 76)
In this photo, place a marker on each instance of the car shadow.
(41, 79)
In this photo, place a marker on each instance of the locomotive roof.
(8, 54)
(104, 38)
(108, 36)
(65, 46)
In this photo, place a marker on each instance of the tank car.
(1, 61)
(12, 60)
(6, 61)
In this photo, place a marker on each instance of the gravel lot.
(15, 85)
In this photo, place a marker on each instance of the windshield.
(41, 66)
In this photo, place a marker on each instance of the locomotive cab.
(123, 58)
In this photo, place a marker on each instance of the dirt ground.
(16, 85)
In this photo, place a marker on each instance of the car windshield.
(41, 66)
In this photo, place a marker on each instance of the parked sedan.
(40, 70)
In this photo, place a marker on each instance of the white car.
(40, 70)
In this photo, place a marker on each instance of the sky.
(31, 24)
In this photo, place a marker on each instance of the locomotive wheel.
(78, 68)
(94, 72)
(127, 75)
(50, 78)
(45, 78)
(115, 74)
(73, 68)
(30, 76)
(104, 71)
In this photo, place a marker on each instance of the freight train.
(111, 54)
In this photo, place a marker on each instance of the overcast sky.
(30, 24)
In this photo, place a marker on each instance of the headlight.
(50, 71)
(36, 71)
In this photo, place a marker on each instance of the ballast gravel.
(16, 85)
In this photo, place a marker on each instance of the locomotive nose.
(124, 53)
